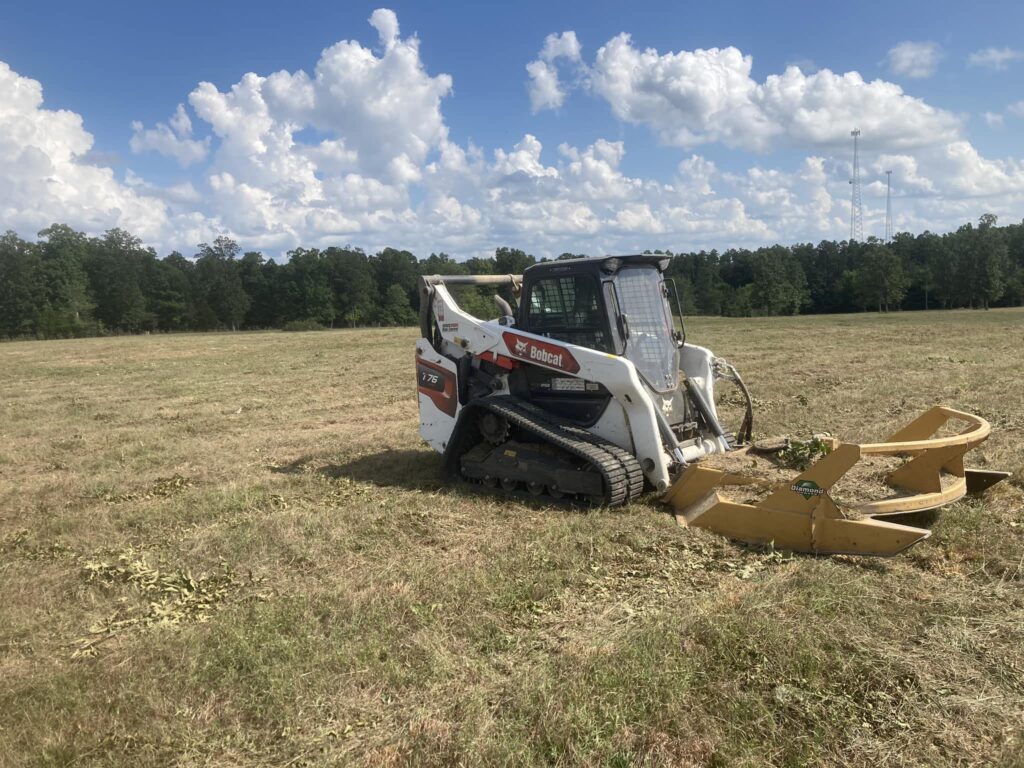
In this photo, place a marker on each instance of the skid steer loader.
(587, 392)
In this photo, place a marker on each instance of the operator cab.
(617, 305)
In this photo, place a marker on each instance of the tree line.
(68, 284)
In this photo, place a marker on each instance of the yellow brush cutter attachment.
(801, 514)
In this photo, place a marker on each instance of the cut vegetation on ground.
(234, 549)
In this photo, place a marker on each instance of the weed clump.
(800, 454)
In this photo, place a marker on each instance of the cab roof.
(607, 265)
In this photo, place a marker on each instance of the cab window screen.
(651, 346)
(568, 309)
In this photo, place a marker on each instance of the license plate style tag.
(568, 385)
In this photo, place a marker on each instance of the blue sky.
(115, 64)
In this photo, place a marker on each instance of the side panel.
(437, 391)
(612, 426)
(696, 363)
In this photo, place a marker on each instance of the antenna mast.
(856, 209)
(888, 206)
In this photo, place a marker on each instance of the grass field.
(234, 550)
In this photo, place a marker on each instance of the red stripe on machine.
(540, 352)
(437, 383)
(500, 360)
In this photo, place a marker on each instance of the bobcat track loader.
(587, 393)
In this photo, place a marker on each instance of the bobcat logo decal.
(545, 353)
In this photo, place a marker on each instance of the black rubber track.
(623, 478)
(634, 473)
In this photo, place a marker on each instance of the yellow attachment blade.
(819, 532)
(802, 516)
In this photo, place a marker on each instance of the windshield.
(651, 346)
(568, 309)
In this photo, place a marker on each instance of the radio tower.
(888, 206)
(856, 210)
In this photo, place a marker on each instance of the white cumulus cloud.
(545, 90)
(377, 115)
(45, 178)
(914, 59)
(172, 139)
(545, 87)
(992, 119)
(385, 21)
(995, 58)
(695, 97)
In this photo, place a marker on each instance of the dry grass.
(234, 550)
